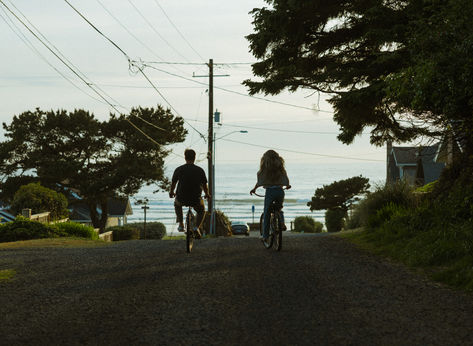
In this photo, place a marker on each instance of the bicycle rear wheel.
(276, 225)
(268, 243)
(189, 232)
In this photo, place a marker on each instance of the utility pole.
(210, 149)
(211, 140)
(145, 207)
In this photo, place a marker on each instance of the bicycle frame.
(189, 230)
(275, 226)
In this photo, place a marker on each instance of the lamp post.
(212, 206)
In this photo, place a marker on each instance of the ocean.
(234, 181)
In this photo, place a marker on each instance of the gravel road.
(319, 290)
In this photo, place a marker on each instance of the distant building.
(416, 165)
(118, 210)
(6, 216)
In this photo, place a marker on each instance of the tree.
(337, 198)
(40, 199)
(339, 194)
(437, 82)
(75, 152)
(365, 55)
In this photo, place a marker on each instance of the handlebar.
(256, 194)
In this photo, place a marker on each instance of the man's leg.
(179, 215)
(200, 210)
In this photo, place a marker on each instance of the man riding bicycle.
(190, 180)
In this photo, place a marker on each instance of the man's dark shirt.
(190, 179)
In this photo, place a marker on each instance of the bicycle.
(190, 236)
(275, 225)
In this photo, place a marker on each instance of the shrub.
(334, 219)
(307, 224)
(40, 199)
(154, 230)
(24, 229)
(384, 214)
(354, 218)
(399, 193)
(77, 230)
(126, 232)
(222, 223)
(427, 187)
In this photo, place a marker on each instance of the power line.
(131, 63)
(199, 63)
(28, 43)
(178, 31)
(96, 29)
(302, 152)
(57, 56)
(60, 53)
(129, 31)
(133, 35)
(79, 74)
(155, 30)
(282, 130)
(272, 130)
(236, 92)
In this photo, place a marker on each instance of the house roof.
(410, 155)
(116, 207)
(6, 216)
(119, 207)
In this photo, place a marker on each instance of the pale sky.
(194, 32)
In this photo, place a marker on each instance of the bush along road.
(317, 290)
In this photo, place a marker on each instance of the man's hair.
(189, 155)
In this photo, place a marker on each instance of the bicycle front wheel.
(189, 232)
(276, 225)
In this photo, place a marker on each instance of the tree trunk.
(94, 215)
(98, 221)
(104, 217)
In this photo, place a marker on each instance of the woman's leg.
(267, 202)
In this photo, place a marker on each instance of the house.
(416, 165)
(118, 210)
(6, 216)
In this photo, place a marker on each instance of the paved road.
(319, 290)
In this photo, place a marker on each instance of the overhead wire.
(128, 31)
(155, 30)
(61, 54)
(178, 31)
(30, 45)
(79, 74)
(131, 63)
(301, 152)
(236, 92)
(132, 34)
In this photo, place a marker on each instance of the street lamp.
(212, 207)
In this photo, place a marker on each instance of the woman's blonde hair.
(272, 166)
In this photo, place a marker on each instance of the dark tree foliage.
(370, 56)
(74, 151)
(437, 83)
(340, 194)
(40, 199)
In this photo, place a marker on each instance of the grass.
(177, 237)
(455, 271)
(6, 274)
(53, 242)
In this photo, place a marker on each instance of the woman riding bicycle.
(272, 176)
